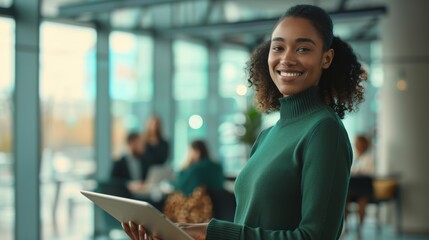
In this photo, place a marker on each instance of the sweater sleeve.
(326, 163)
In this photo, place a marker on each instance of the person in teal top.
(294, 185)
(198, 170)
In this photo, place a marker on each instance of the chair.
(224, 204)
(381, 190)
(386, 189)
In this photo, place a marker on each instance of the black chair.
(223, 204)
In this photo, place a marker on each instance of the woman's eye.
(277, 48)
(302, 49)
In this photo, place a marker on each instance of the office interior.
(77, 75)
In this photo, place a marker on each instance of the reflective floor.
(80, 227)
(370, 231)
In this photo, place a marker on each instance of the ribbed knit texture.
(294, 107)
(218, 229)
(294, 185)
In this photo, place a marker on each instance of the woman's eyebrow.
(280, 39)
(305, 40)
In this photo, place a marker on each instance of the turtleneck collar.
(301, 104)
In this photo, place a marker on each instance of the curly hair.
(340, 85)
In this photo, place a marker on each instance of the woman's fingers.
(137, 232)
(127, 230)
(142, 233)
(145, 234)
(134, 231)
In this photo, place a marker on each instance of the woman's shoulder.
(326, 123)
(326, 117)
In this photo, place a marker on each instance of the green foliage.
(252, 126)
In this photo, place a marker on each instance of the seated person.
(129, 169)
(190, 202)
(198, 170)
(362, 173)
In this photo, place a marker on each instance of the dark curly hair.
(339, 86)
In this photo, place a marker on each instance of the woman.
(198, 170)
(362, 173)
(191, 203)
(294, 185)
(363, 163)
(155, 146)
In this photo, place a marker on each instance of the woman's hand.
(196, 231)
(137, 232)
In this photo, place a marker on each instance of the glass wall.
(5, 3)
(7, 66)
(235, 100)
(190, 90)
(67, 94)
(364, 121)
(131, 88)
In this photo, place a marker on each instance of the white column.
(404, 114)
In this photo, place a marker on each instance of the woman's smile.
(288, 75)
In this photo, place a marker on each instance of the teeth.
(289, 74)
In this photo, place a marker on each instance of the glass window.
(67, 95)
(235, 100)
(5, 3)
(191, 66)
(7, 209)
(131, 88)
(190, 88)
(364, 120)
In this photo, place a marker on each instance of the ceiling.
(244, 22)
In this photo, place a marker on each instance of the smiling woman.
(294, 185)
(296, 62)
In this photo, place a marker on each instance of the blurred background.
(77, 75)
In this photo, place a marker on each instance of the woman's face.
(194, 154)
(153, 125)
(296, 56)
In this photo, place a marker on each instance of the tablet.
(139, 212)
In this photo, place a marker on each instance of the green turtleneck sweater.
(295, 183)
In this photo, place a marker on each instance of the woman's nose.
(288, 58)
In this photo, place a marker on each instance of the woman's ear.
(328, 56)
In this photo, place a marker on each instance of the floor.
(370, 231)
(80, 228)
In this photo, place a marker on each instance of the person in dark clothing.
(129, 169)
(155, 145)
(362, 174)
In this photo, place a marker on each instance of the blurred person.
(363, 162)
(191, 203)
(362, 173)
(294, 186)
(155, 145)
(129, 169)
(198, 169)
